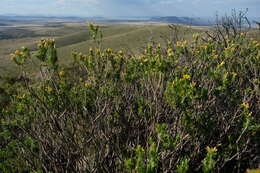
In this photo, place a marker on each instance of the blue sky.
(113, 8)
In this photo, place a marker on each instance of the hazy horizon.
(127, 8)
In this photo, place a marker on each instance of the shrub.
(151, 113)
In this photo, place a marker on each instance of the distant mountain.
(3, 24)
(183, 20)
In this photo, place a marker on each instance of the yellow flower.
(108, 50)
(234, 74)
(62, 73)
(211, 149)
(146, 60)
(173, 83)
(222, 63)
(170, 52)
(204, 46)
(215, 56)
(98, 51)
(245, 105)
(21, 97)
(120, 52)
(255, 42)
(80, 54)
(195, 35)
(87, 84)
(253, 171)
(178, 44)
(193, 84)
(186, 77)
(49, 89)
(17, 52)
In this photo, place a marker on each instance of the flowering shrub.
(112, 112)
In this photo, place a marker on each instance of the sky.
(120, 8)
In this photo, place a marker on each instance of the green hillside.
(132, 39)
(75, 37)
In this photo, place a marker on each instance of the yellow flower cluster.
(62, 73)
(231, 49)
(195, 36)
(87, 84)
(215, 56)
(21, 96)
(146, 60)
(80, 54)
(16, 53)
(253, 171)
(98, 51)
(255, 43)
(120, 52)
(49, 89)
(204, 46)
(222, 63)
(245, 105)
(193, 84)
(44, 43)
(211, 149)
(170, 52)
(234, 74)
(181, 43)
(186, 77)
(109, 50)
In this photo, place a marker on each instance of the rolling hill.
(75, 37)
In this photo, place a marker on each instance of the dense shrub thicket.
(187, 107)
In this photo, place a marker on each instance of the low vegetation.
(187, 106)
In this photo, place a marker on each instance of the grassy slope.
(65, 35)
(75, 37)
(129, 38)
